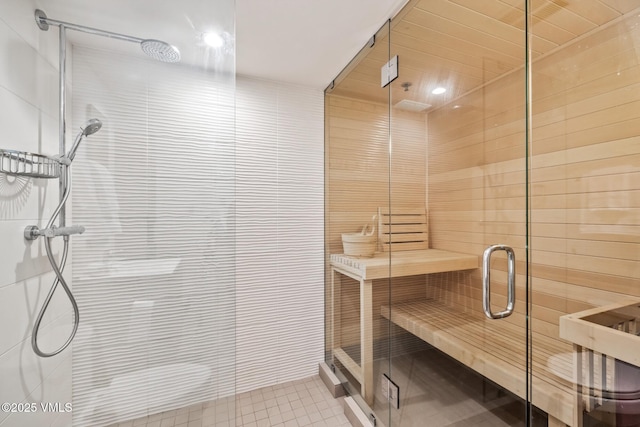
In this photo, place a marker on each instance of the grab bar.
(486, 282)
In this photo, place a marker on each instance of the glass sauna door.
(356, 187)
(458, 175)
(585, 200)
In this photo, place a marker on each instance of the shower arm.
(155, 48)
(43, 22)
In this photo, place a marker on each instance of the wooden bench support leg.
(366, 340)
(554, 422)
(577, 386)
(336, 310)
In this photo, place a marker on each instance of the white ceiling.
(305, 41)
(299, 41)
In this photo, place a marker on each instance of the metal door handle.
(486, 281)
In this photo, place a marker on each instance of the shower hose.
(58, 269)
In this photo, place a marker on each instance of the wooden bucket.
(359, 245)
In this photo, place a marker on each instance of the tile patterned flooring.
(433, 387)
(299, 403)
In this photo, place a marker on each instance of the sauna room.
(482, 216)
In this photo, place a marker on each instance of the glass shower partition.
(155, 189)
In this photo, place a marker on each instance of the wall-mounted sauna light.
(439, 90)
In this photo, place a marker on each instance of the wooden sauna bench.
(365, 271)
(496, 350)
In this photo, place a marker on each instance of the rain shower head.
(159, 50)
(156, 49)
(92, 126)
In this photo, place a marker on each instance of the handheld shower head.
(92, 126)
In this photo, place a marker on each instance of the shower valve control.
(32, 232)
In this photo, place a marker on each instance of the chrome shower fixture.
(162, 51)
(50, 231)
(92, 126)
(156, 49)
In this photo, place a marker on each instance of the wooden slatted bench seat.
(407, 233)
(365, 272)
(496, 350)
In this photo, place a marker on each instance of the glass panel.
(585, 234)
(162, 338)
(154, 272)
(458, 159)
(357, 184)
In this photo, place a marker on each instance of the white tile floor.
(300, 403)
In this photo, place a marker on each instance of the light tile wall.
(154, 272)
(279, 166)
(29, 122)
(279, 223)
(279, 219)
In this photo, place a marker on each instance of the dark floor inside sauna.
(437, 391)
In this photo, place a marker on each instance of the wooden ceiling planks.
(464, 44)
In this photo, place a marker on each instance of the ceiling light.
(438, 91)
(213, 39)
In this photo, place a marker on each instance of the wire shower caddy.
(22, 163)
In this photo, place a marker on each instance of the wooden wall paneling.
(430, 51)
(423, 58)
(483, 22)
(358, 183)
(585, 178)
(408, 289)
(585, 184)
(445, 43)
(594, 11)
(447, 23)
(490, 23)
(472, 43)
(621, 6)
